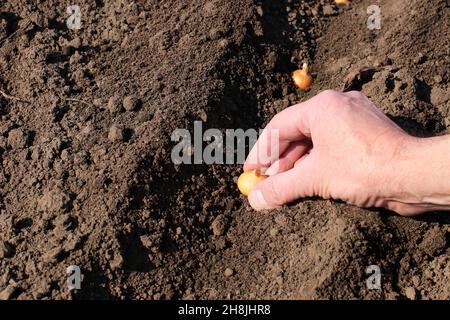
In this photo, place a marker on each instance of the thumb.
(285, 187)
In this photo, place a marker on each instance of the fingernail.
(257, 200)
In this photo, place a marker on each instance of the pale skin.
(341, 146)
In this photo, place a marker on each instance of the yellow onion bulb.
(248, 180)
(302, 78)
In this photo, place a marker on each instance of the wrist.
(420, 173)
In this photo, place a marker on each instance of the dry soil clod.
(131, 103)
(17, 138)
(116, 133)
(76, 43)
(356, 78)
(218, 226)
(115, 104)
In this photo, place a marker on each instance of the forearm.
(421, 173)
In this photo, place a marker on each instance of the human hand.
(341, 146)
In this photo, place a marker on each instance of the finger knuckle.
(331, 100)
(356, 94)
(278, 117)
(330, 95)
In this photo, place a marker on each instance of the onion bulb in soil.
(248, 180)
(302, 78)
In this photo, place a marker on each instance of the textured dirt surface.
(86, 176)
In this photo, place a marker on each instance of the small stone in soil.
(410, 293)
(228, 272)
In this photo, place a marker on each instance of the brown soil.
(86, 177)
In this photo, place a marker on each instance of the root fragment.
(10, 97)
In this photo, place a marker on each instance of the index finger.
(291, 124)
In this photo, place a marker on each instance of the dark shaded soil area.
(86, 176)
